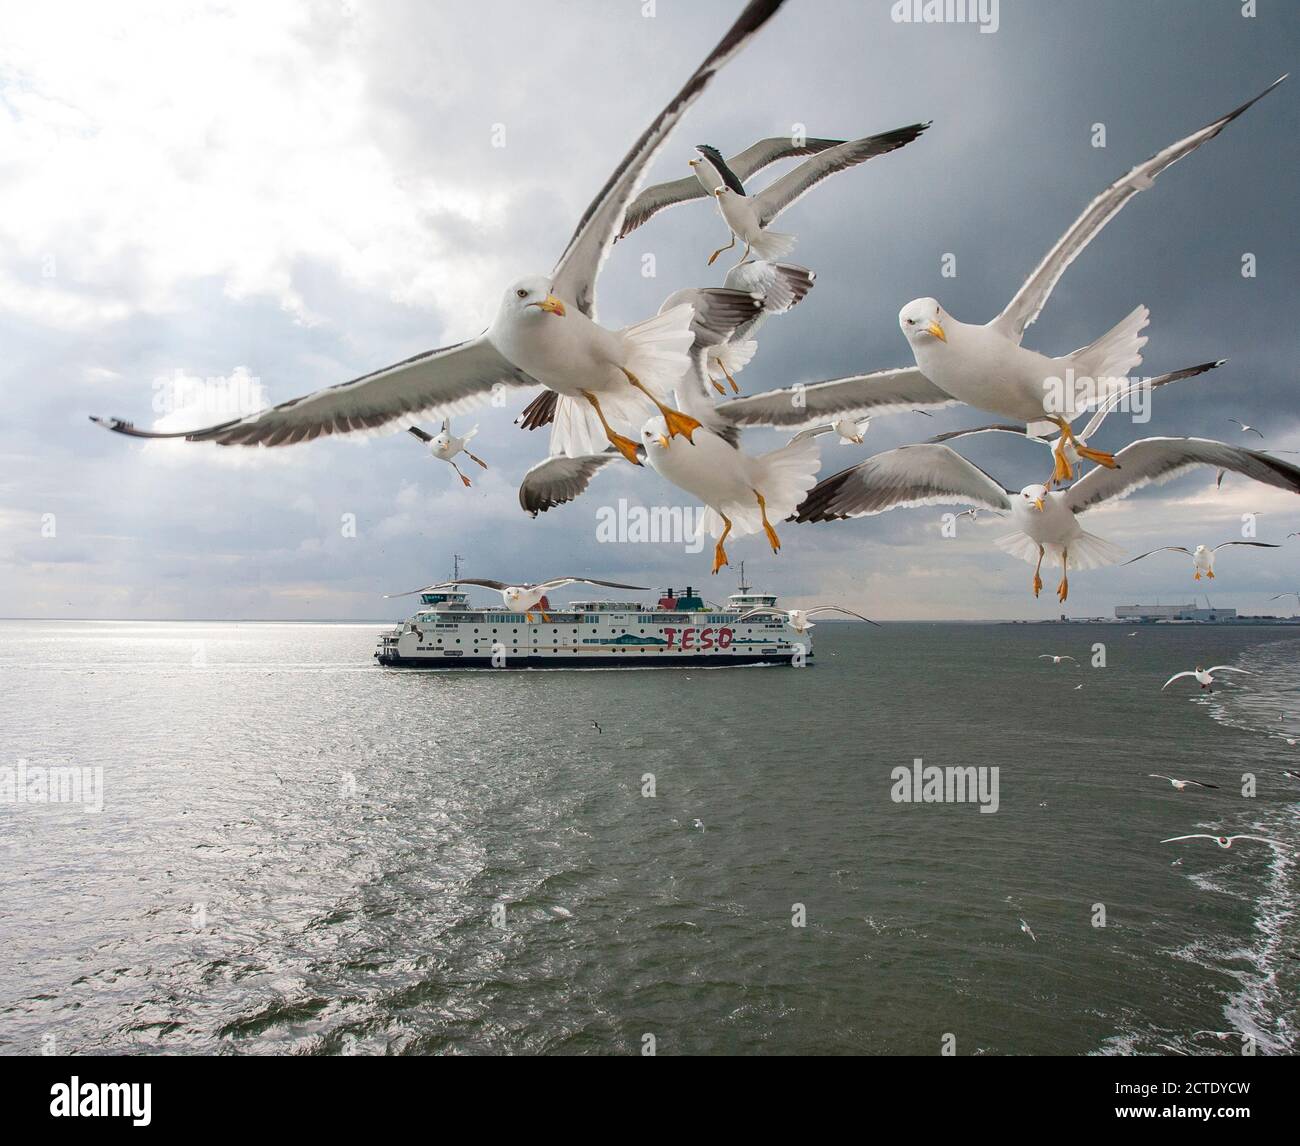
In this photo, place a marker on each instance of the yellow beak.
(1038, 504)
(937, 330)
(663, 441)
(551, 305)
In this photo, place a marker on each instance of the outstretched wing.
(449, 585)
(1176, 676)
(575, 274)
(560, 582)
(1029, 300)
(840, 609)
(794, 185)
(445, 381)
(419, 433)
(908, 476)
(1162, 459)
(539, 412)
(884, 392)
(1253, 544)
(1162, 549)
(560, 479)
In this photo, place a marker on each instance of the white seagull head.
(654, 435)
(1032, 497)
(531, 297)
(921, 321)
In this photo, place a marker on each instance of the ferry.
(680, 629)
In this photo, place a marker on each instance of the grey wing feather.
(419, 433)
(449, 585)
(1162, 459)
(884, 392)
(1029, 300)
(908, 476)
(794, 185)
(777, 147)
(560, 479)
(447, 380)
(1162, 549)
(575, 274)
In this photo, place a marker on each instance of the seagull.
(741, 491)
(1245, 429)
(1055, 659)
(710, 170)
(768, 288)
(544, 332)
(1202, 556)
(520, 598)
(1045, 521)
(1204, 677)
(1223, 841)
(1290, 775)
(748, 216)
(597, 727)
(444, 446)
(1284, 596)
(798, 620)
(1028, 930)
(985, 366)
(1179, 784)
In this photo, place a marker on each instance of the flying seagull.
(444, 445)
(748, 216)
(1180, 784)
(1223, 841)
(1202, 556)
(544, 333)
(986, 366)
(1028, 930)
(798, 620)
(1203, 676)
(1055, 659)
(1044, 521)
(710, 170)
(521, 598)
(1245, 429)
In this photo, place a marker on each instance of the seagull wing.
(575, 274)
(1258, 839)
(794, 185)
(781, 286)
(560, 582)
(1194, 836)
(1162, 549)
(840, 609)
(760, 613)
(1228, 668)
(419, 433)
(1255, 544)
(1162, 459)
(719, 312)
(1032, 296)
(448, 585)
(453, 378)
(907, 476)
(560, 479)
(539, 412)
(777, 147)
(1019, 431)
(1176, 676)
(884, 392)
(1117, 396)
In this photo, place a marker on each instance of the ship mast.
(742, 586)
(456, 559)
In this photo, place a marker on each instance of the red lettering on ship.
(671, 633)
(706, 640)
(724, 638)
(688, 638)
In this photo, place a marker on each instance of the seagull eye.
(522, 293)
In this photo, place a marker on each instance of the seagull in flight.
(1055, 659)
(1202, 556)
(1028, 930)
(1224, 841)
(519, 598)
(1245, 429)
(986, 366)
(1204, 676)
(798, 619)
(1180, 784)
(545, 333)
(444, 445)
(1044, 521)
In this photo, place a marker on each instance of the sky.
(209, 207)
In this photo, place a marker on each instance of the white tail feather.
(772, 244)
(1087, 551)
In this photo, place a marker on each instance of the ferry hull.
(679, 660)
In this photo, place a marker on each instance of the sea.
(272, 846)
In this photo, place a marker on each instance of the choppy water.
(299, 853)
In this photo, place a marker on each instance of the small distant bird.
(851, 432)
(1245, 429)
(596, 726)
(1130, 634)
(798, 620)
(1077, 687)
(1028, 930)
(1054, 659)
(1204, 677)
(1283, 596)
(1203, 555)
(444, 445)
(1290, 775)
(698, 824)
(1220, 1035)
(522, 598)
(1223, 841)
(1179, 784)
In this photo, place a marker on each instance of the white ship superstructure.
(680, 629)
